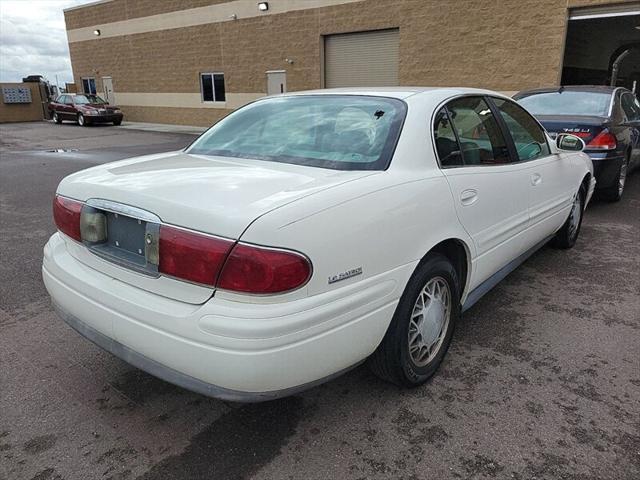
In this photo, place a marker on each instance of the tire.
(117, 122)
(614, 193)
(82, 121)
(567, 236)
(399, 358)
(56, 118)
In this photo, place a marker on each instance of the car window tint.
(630, 106)
(527, 134)
(480, 137)
(567, 102)
(447, 144)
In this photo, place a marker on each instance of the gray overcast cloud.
(33, 40)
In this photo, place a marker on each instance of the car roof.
(397, 92)
(572, 88)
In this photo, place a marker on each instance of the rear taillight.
(66, 215)
(261, 270)
(192, 256)
(603, 141)
(197, 257)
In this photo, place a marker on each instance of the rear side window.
(446, 142)
(478, 132)
(528, 136)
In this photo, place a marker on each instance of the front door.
(107, 88)
(276, 82)
(551, 191)
(490, 192)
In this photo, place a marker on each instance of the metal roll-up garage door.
(365, 59)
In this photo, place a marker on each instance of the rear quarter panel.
(384, 225)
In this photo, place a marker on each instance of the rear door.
(552, 185)
(490, 191)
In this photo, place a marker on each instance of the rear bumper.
(606, 167)
(234, 351)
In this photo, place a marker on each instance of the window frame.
(513, 154)
(213, 87)
(95, 85)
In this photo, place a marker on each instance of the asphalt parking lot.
(542, 380)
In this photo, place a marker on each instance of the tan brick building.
(192, 61)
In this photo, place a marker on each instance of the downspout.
(616, 66)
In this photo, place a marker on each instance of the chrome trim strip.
(123, 209)
(177, 378)
(497, 277)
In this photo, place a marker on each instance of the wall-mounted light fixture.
(263, 6)
(289, 61)
(233, 16)
(96, 33)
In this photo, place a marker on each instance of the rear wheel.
(56, 118)
(567, 236)
(422, 326)
(614, 193)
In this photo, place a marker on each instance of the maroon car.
(84, 109)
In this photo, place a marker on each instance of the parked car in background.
(85, 109)
(606, 118)
(305, 233)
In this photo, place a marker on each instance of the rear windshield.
(568, 103)
(341, 132)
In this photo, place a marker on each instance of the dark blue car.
(606, 118)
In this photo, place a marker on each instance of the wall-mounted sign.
(16, 95)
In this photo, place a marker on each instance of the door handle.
(536, 179)
(469, 197)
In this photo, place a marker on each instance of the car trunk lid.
(585, 127)
(214, 195)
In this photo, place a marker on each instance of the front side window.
(479, 134)
(212, 85)
(631, 107)
(528, 136)
(342, 132)
(89, 85)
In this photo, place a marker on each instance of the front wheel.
(422, 326)
(567, 236)
(117, 122)
(81, 120)
(56, 118)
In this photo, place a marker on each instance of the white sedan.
(307, 233)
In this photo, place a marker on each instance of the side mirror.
(569, 143)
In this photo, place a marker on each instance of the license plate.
(126, 234)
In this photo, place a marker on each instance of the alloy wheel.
(429, 321)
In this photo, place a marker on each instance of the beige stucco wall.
(506, 46)
(21, 112)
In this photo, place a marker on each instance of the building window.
(89, 85)
(212, 85)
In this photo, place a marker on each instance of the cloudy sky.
(33, 40)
